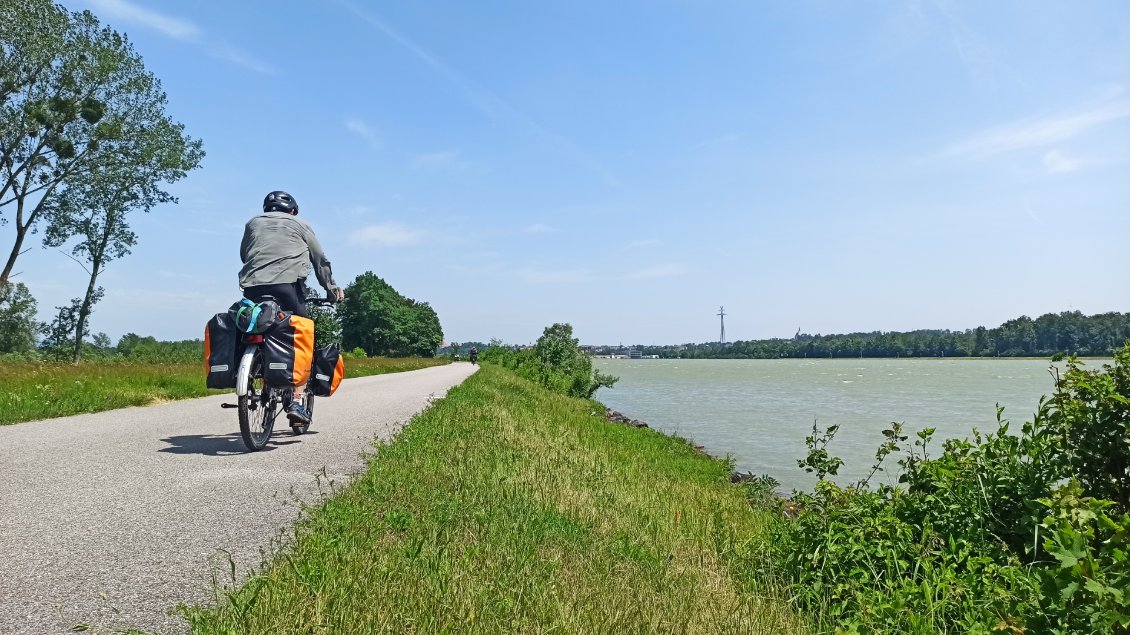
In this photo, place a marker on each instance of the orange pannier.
(288, 351)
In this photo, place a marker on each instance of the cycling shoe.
(297, 414)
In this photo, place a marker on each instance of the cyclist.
(277, 251)
(474, 355)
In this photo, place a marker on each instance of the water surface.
(759, 411)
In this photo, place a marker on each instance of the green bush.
(556, 362)
(1015, 533)
(18, 324)
(378, 319)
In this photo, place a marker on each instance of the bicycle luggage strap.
(256, 310)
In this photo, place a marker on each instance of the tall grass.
(41, 390)
(508, 509)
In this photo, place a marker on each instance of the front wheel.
(259, 404)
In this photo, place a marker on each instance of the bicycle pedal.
(229, 405)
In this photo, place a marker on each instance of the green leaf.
(1096, 587)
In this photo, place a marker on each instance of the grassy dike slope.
(505, 508)
(42, 390)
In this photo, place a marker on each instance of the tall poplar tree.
(75, 100)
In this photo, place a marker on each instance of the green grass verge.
(34, 390)
(508, 509)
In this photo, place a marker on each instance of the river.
(759, 411)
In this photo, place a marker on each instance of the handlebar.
(321, 301)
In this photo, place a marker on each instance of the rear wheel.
(258, 408)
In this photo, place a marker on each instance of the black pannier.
(328, 371)
(221, 351)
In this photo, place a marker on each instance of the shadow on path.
(224, 444)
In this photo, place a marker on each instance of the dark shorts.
(289, 296)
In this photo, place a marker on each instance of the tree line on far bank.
(1067, 333)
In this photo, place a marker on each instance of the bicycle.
(259, 404)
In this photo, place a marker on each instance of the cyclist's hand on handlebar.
(338, 295)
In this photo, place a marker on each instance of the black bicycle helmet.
(279, 201)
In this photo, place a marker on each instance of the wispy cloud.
(552, 276)
(539, 228)
(972, 49)
(657, 271)
(176, 28)
(355, 210)
(386, 235)
(476, 269)
(363, 130)
(483, 99)
(1056, 161)
(180, 29)
(230, 54)
(1038, 131)
(437, 160)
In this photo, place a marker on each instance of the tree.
(382, 322)
(97, 204)
(327, 326)
(18, 323)
(75, 102)
(558, 349)
(61, 331)
(61, 342)
(102, 343)
(132, 344)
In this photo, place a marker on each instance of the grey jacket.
(279, 248)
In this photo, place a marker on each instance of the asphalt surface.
(111, 520)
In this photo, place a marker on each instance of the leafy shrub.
(356, 353)
(1087, 430)
(1087, 588)
(1015, 533)
(149, 349)
(327, 325)
(556, 362)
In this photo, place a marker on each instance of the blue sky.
(629, 167)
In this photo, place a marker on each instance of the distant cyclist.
(474, 355)
(277, 252)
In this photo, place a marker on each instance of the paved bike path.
(112, 519)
